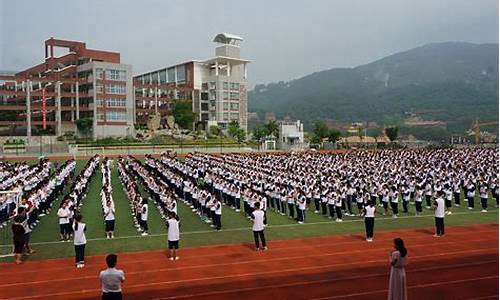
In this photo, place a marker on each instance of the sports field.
(235, 227)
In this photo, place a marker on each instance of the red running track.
(462, 265)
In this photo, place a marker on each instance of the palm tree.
(272, 128)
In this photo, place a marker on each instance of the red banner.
(44, 110)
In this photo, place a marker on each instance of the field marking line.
(366, 262)
(270, 226)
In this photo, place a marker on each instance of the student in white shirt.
(79, 241)
(218, 215)
(64, 227)
(111, 280)
(144, 217)
(483, 195)
(439, 214)
(369, 214)
(258, 227)
(109, 219)
(173, 234)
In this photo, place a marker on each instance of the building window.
(235, 106)
(204, 96)
(115, 89)
(116, 116)
(99, 102)
(98, 73)
(235, 86)
(225, 95)
(99, 88)
(234, 95)
(181, 73)
(116, 102)
(212, 85)
(163, 76)
(225, 85)
(204, 106)
(100, 116)
(154, 77)
(225, 116)
(204, 86)
(171, 75)
(225, 106)
(116, 74)
(235, 116)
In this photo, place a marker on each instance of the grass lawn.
(236, 228)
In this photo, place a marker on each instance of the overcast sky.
(283, 39)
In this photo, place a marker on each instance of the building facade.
(291, 135)
(216, 87)
(50, 97)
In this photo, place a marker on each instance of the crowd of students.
(71, 203)
(335, 183)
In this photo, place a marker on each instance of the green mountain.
(449, 82)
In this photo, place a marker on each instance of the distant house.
(291, 135)
(364, 140)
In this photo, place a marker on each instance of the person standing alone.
(397, 280)
(111, 280)
(173, 234)
(79, 241)
(258, 227)
(439, 214)
(369, 213)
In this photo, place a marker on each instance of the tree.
(236, 132)
(259, 132)
(183, 113)
(320, 130)
(334, 135)
(85, 126)
(272, 128)
(392, 133)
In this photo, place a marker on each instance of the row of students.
(107, 203)
(72, 201)
(181, 186)
(132, 191)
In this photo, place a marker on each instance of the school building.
(84, 83)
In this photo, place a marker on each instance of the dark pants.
(237, 201)
(405, 206)
(439, 226)
(217, 221)
(291, 209)
(316, 203)
(394, 207)
(369, 224)
(428, 200)
(256, 235)
(484, 203)
(80, 253)
(301, 215)
(112, 296)
(323, 208)
(457, 198)
(471, 201)
(331, 208)
(338, 211)
(418, 206)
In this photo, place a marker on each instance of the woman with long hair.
(397, 280)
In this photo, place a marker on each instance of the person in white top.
(439, 214)
(144, 217)
(111, 279)
(79, 241)
(369, 214)
(258, 227)
(109, 219)
(64, 227)
(173, 234)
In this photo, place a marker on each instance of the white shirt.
(173, 229)
(370, 211)
(63, 214)
(439, 212)
(258, 220)
(111, 280)
(144, 212)
(109, 213)
(79, 234)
